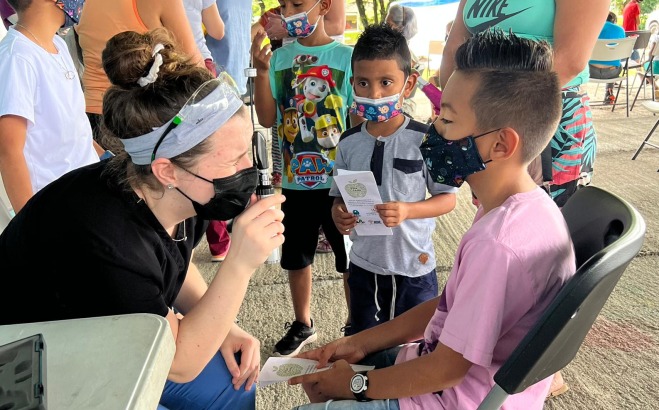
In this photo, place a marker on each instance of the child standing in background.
(388, 274)
(304, 87)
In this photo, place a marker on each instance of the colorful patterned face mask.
(378, 110)
(298, 24)
(450, 162)
(72, 10)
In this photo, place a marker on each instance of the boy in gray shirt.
(388, 274)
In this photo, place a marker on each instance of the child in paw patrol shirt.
(388, 275)
(304, 87)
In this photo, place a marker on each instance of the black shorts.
(304, 213)
(407, 293)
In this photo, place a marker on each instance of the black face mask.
(232, 195)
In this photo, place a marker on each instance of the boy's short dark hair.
(517, 88)
(612, 18)
(381, 42)
(19, 6)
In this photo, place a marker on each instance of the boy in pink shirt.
(499, 110)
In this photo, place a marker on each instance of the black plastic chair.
(607, 233)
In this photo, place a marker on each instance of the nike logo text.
(489, 8)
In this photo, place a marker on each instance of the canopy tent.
(432, 17)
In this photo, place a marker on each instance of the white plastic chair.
(610, 50)
(435, 52)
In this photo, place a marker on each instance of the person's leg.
(368, 292)
(574, 140)
(299, 281)
(389, 404)
(297, 258)
(411, 292)
(218, 240)
(212, 389)
(337, 244)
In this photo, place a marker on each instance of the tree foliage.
(647, 6)
(370, 11)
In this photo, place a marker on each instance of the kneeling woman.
(124, 229)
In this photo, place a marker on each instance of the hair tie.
(153, 71)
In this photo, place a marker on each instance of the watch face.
(357, 383)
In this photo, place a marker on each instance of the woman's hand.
(256, 232)
(247, 372)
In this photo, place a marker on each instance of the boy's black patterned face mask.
(450, 162)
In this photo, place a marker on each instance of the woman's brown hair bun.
(128, 56)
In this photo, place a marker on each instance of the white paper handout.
(280, 369)
(360, 194)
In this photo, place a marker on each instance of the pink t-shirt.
(509, 266)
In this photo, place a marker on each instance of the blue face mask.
(72, 10)
(378, 110)
(450, 162)
(298, 25)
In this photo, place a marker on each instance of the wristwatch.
(359, 385)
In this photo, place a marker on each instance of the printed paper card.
(281, 369)
(360, 194)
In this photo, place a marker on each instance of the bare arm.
(213, 22)
(442, 369)
(576, 28)
(394, 213)
(458, 35)
(431, 207)
(13, 167)
(264, 102)
(170, 14)
(335, 19)
(192, 290)
(210, 315)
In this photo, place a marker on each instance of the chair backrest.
(436, 49)
(607, 234)
(613, 49)
(642, 38)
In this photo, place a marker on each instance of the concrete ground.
(618, 364)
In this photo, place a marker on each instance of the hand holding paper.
(281, 369)
(360, 194)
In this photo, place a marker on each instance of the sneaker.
(297, 336)
(323, 245)
(219, 258)
(347, 329)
